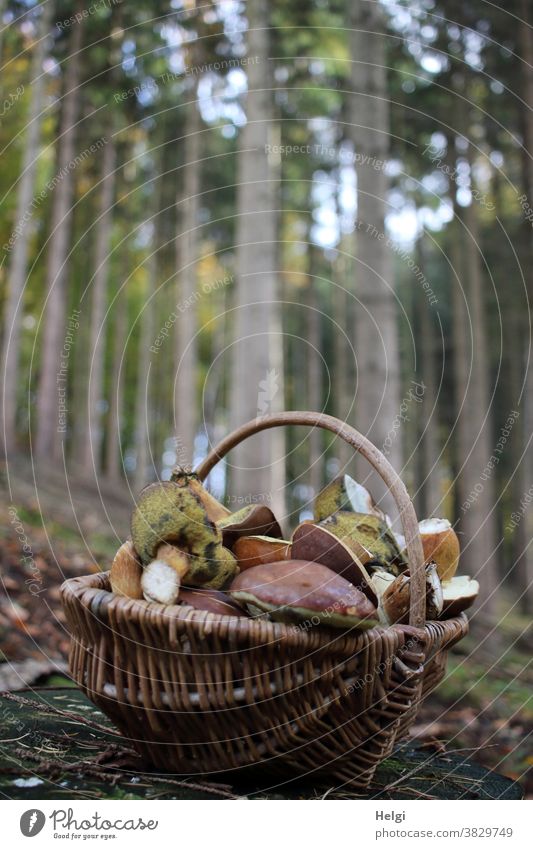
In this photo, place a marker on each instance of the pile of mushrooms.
(345, 568)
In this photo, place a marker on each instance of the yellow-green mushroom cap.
(372, 534)
(169, 513)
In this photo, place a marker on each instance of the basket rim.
(91, 593)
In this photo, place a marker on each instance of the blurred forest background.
(215, 211)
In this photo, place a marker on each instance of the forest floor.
(483, 708)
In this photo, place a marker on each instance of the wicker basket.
(198, 693)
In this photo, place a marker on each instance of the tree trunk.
(142, 395)
(478, 518)
(525, 556)
(215, 401)
(314, 381)
(461, 357)
(93, 441)
(113, 454)
(343, 385)
(47, 443)
(427, 410)
(525, 533)
(19, 259)
(376, 332)
(414, 424)
(257, 372)
(187, 249)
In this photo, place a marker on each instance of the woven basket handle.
(380, 463)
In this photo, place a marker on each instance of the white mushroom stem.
(380, 581)
(435, 598)
(160, 582)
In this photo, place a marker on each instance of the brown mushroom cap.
(319, 544)
(440, 543)
(126, 572)
(459, 594)
(254, 550)
(214, 601)
(253, 520)
(395, 597)
(300, 590)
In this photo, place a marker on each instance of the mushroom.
(459, 594)
(395, 596)
(440, 543)
(381, 580)
(162, 577)
(254, 550)
(175, 557)
(160, 582)
(344, 493)
(214, 601)
(319, 543)
(367, 533)
(252, 520)
(352, 544)
(159, 585)
(213, 508)
(300, 591)
(126, 572)
(169, 513)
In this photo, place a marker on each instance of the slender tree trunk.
(47, 444)
(427, 409)
(257, 372)
(478, 520)
(514, 324)
(461, 357)
(80, 388)
(376, 332)
(93, 442)
(113, 454)
(343, 383)
(215, 390)
(163, 371)
(341, 308)
(314, 382)
(142, 395)
(413, 427)
(187, 246)
(19, 257)
(525, 533)
(461, 343)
